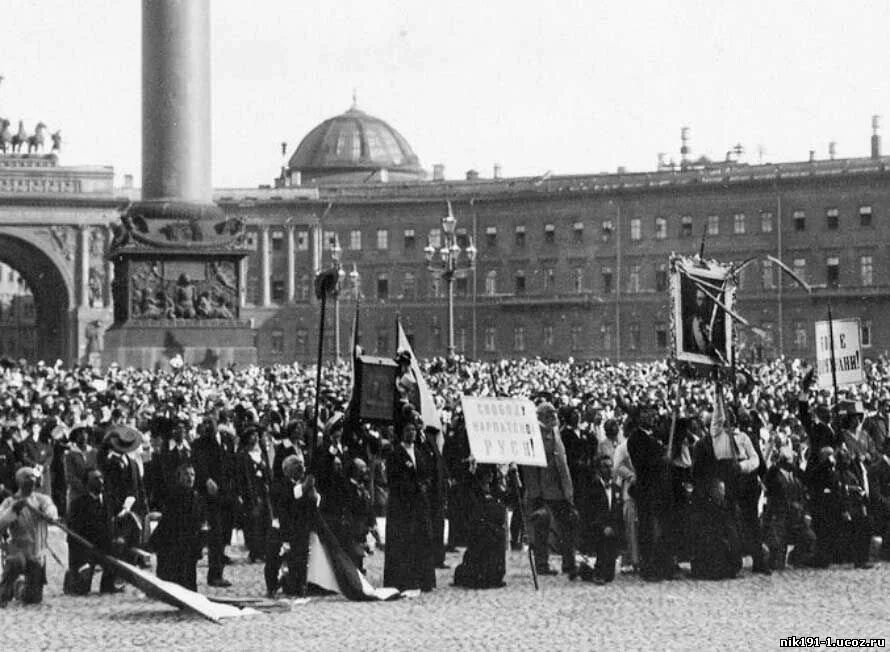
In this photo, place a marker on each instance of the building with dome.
(567, 265)
(352, 148)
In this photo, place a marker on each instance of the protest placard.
(503, 430)
(847, 353)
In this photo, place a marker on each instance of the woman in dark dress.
(254, 485)
(177, 539)
(409, 562)
(484, 564)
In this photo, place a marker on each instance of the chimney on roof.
(832, 150)
(875, 137)
(438, 172)
(685, 150)
(496, 172)
(812, 156)
(472, 175)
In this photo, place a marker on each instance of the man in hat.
(10, 461)
(877, 423)
(24, 516)
(879, 483)
(550, 494)
(214, 460)
(92, 518)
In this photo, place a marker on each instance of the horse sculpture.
(56, 137)
(35, 142)
(20, 138)
(5, 135)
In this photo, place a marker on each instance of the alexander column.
(176, 255)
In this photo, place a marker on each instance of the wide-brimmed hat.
(123, 439)
(24, 473)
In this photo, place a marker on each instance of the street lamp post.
(449, 264)
(336, 253)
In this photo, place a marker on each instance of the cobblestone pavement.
(751, 613)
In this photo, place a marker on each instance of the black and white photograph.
(444, 326)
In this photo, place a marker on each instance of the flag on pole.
(428, 411)
(331, 569)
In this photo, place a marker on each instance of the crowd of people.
(643, 463)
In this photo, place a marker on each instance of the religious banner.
(847, 353)
(702, 294)
(503, 431)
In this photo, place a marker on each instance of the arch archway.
(51, 287)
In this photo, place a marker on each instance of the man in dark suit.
(91, 516)
(214, 461)
(173, 453)
(647, 454)
(605, 509)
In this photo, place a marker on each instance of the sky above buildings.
(571, 86)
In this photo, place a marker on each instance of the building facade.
(567, 265)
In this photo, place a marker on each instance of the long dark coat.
(409, 562)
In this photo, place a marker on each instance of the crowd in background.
(643, 464)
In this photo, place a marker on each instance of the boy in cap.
(26, 550)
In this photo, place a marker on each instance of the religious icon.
(701, 294)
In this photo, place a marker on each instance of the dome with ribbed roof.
(354, 147)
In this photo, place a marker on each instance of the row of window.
(740, 226)
(769, 277)
(577, 341)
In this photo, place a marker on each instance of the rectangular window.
(607, 230)
(866, 271)
(713, 225)
(607, 333)
(579, 280)
(738, 223)
(302, 238)
(519, 283)
(330, 237)
(382, 341)
(277, 341)
(686, 226)
(768, 275)
(355, 240)
(519, 338)
(382, 287)
(435, 238)
(865, 216)
(461, 343)
(661, 277)
(490, 339)
(766, 222)
(800, 268)
(491, 236)
(633, 340)
(800, 220)
(382, 239)
(303, 284)
(607, 279)
(278, 290)
(549, 278)
(491, 283)
(302, 341)
(865, 333)
(832, 271)
(277, 240)
(578, 232)
(661, 336)
(577, 336)
(409, 286)
(549, 234)
(520, 236)
(461, 287)
(436, 287)
(548, 336)
(636, 229)
(800, 335)
(831, 219)
(410, 240)
(661, 228)
(633, 279)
